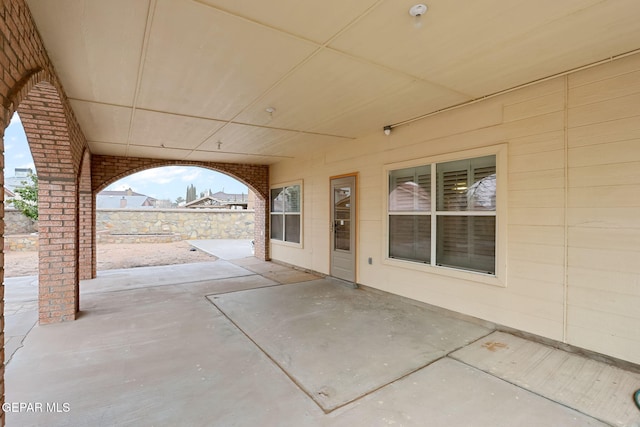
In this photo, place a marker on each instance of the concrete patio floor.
(241, 342)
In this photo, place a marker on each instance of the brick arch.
(45, 123)
(106, 170)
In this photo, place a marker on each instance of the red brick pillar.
(87, 232)
(56, 144)
(261, 229)
(58, 241)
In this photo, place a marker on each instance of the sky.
(168, 182)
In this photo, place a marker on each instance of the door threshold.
(347, 283)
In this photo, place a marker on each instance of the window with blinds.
(461, 231)
(286, 213)
(410, 214)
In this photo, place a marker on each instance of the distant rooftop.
(128, 192)
(117, 199)
(22, 172)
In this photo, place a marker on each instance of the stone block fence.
(144, 226)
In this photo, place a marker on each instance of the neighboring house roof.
(18, 181)
(227, 197)
(206, 201)
(120, 193)
(15, 182)
(117, 199)
(115, 202)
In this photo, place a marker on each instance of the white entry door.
(343, 228)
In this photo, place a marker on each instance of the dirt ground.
(114, 256)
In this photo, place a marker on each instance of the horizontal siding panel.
(606, 302)
(544, 254)
(614, 109)
(604, 90)
(535, 288)
(605, 259)
(604, 217)
(603, 342)
(614, 324)
(549, 141)
(619, 196)
(534, 125)
(533, 91)
(536, 180)
(441, 126)
(609, 174)
(370, 211)
(606, 280)
(546, 198)
(538, 161)
(529, 322)
(603, 133)
(541, 235)
(536, 216)
(524, 269)
(534, 107)
(446, 145)
(606, 71)
(525, 306)
(622, 239)
(613, 152)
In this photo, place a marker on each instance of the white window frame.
(497, 279)
(301, 214)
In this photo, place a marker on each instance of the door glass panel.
(342, 218)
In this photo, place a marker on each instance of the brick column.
(58, 241)
(87, 215)
(261, 229)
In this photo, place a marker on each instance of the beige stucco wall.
(571, 230)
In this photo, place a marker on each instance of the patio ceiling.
(192, 79)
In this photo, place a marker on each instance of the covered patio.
(246, 342)
(471, 170)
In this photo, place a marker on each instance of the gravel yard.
(115, 256)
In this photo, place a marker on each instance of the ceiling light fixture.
(219, 145)
(270, 110)
(387, 130)
(417, 10)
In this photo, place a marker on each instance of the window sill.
(287, 244)
(471, 276)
